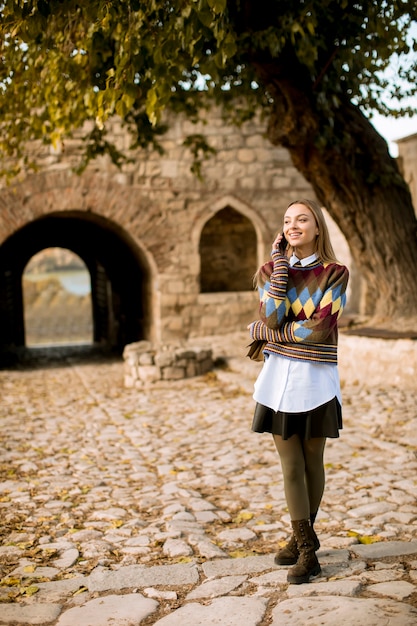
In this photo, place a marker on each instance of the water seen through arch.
(57, 299)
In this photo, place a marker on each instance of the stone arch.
(230, 244)
(120, 276)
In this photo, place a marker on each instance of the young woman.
(297, 393)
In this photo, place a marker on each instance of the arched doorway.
(120, 276)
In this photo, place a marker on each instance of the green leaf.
(121, 108)
(229, 46)
(85, 61)
(206, 17)
(218, 6)
(128, 100)
(151, 106)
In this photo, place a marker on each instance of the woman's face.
(300, 230)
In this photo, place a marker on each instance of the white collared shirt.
(303, 262)
(294, 386)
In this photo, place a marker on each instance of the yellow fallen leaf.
(116, 523)
(244, 516)
(367, 539)
(30, 591)
(29, 569)
(238, 554)
(10, 582)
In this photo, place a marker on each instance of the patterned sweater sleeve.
(323, 321)
(273, 294)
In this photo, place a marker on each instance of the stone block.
(204, 367)
(137, 347)
(169, 168)
(129, 381)
(203, 355)
(186, 353)
(181, 363)
(165, 359)
(174, 286)
(279, 182)
(173, 373)
(149, 373)
(245, 156)
(146, 358)
(175, 323)
(191, 370)
(248, 182)
(255, 141)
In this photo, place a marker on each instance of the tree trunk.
(359, 183)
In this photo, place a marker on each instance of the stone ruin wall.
(407, 158)
(163, 207)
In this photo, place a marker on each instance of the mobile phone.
(283, 243)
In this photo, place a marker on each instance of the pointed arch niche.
(228, 249)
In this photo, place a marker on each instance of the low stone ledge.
(377, 362)
(145, 363)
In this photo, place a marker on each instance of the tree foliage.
(64, 62)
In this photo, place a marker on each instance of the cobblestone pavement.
(160, 506)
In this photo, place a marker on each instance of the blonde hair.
(263, 274)
(324, 247)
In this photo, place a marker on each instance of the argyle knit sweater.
(299, 309)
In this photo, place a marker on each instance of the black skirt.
(323, 421)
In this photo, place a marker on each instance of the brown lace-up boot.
(289, 553)
(307, 564)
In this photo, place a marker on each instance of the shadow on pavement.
(56, 356)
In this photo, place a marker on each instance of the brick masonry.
(162, 212)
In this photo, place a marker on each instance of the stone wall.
(160, 211)
(377, 362)
(145, 364)
(407, 153)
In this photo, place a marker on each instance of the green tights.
(303, 473)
